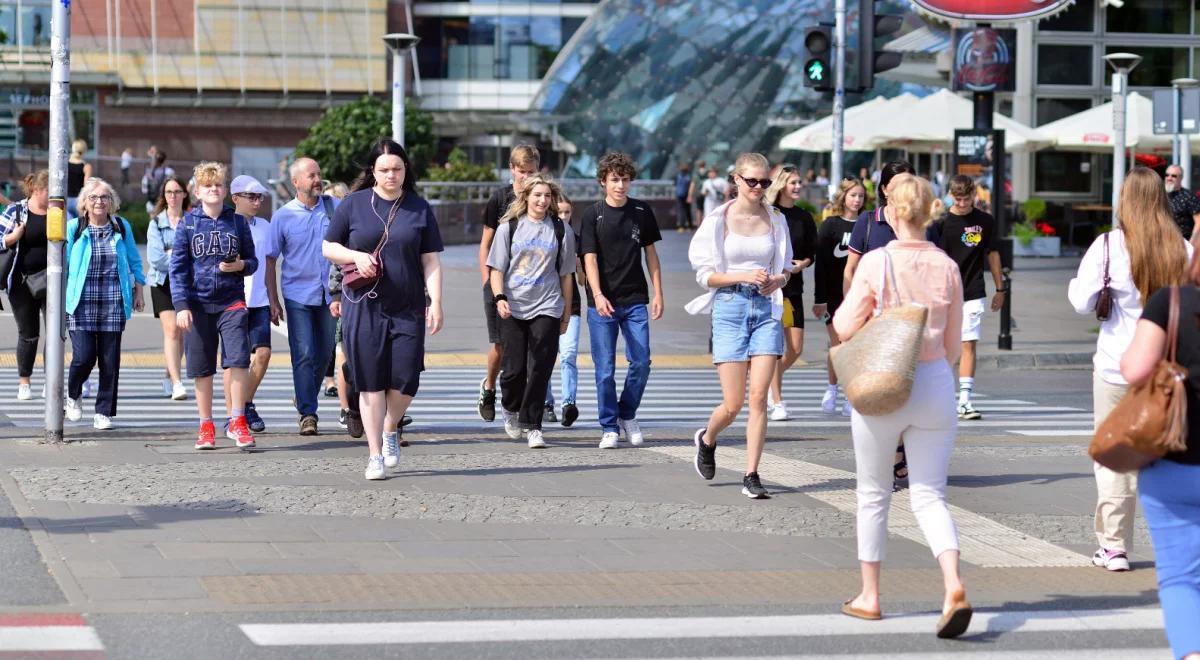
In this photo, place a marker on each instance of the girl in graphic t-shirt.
(833, 239)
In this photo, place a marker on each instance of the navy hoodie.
(201, 244)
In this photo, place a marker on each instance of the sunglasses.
(253, 197)
(1172, 176)
(755, 183)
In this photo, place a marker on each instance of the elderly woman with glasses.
(104, 288)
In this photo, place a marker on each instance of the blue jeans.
(310, 339)
(568, 350)
(1171, 503)
(742, 325)
(633, 323)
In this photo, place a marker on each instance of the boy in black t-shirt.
(523, 162)
(968, 235)
(613, 234)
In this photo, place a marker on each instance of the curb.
(1051, 360)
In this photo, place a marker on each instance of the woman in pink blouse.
(927, 422)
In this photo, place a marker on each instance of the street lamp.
(399, 43)
(1182, 146)
(1121, 64)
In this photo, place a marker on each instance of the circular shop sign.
(992, 10)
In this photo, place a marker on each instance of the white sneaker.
(375, 470)
(101, 422)
(779, 413)
(43, 391)
(510, 425)
(87, 390)
(609, 440)
(829, 401)
(535, 439)
(391, 450)
(178, 392)
(633, 432)
(24, 392)
(847, 408)
(74, 411)
(166, 385)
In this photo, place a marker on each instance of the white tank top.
(749, 253)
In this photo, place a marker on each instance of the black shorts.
(230, 327)
(830, 309)
(489, 313)
(160, 298)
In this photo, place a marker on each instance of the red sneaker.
(207, 438)
(239, 432)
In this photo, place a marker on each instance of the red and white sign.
(992, 10)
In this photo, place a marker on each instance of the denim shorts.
(742, 325)
(259, 325)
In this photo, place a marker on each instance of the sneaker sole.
(747, 493)
(696, 462)
(538, 446)
(179, 398)
(205, 447)
(376, 477)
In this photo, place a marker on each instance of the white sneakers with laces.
(391, 450)
(74, 410)
(511, 427)
(375, 470)
(609, 440)
(778, 412)
(633, 432)
(178, 392)
(829, 401)
(24, 392)
(101, 422)
(535, 439)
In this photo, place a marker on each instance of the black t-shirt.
(803, 233)
(833, 251)
(967, 239)
(413, 232)
(497, 204)
(1184, 206)
(616, 236)
(31, 253)
(1158, 310)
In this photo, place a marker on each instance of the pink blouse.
(925, 275)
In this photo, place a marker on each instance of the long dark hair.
(161, 204)
(889, 172)
(385, 146)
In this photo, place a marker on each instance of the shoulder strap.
(512, 230)
(1173, 325)
(559, 230)
(1107, 279)
(325, 199)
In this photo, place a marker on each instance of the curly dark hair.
(615, 162)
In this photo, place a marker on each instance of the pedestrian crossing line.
(982, 541)
(49, 633)
(790, 626)
(1025, 654)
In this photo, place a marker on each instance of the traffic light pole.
(837, 156)
(56, 219)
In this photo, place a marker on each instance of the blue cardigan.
(79, 255)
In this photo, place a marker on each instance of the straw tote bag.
(877, 364)
(1151, 419)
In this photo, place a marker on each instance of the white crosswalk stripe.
(447, 399)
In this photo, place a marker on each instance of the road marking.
(801, 626)
(1028, 654)
(47, 632)
(982, 541)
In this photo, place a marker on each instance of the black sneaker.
(405, 421)
(342, 417)
(549, 415)
(753, 488)
(706, 457)
(354, 425)
(487, 403)
(570, 414)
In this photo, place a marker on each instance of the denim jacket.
(79, 255)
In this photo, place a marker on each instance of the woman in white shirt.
(742, 254)
(1143, 254)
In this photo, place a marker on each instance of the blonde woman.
(531, 262)
(1144, 253)
(833, 251)
(742, 254)
(927, 421)
(78, 171)
(173, 203)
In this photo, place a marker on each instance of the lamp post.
(1121, 64)
(1183, 138)
(399, 43)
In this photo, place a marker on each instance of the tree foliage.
(458, 168)
(342, 137)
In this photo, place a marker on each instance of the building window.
(1062, 172)
(1159, 66)
(491, 47)
(1151, 16)
(34, 28)
(1081, 17)
(1064, 65)
(1049, 110)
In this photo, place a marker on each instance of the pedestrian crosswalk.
(447, 399)
(48, 635)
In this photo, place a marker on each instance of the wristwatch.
(498, 297)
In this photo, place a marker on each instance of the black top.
(1157, 311)
(414, 232)
(74, 178)
(31, 253)
(803, 232)
(833, 251)
(967, 239)
(576, 305)
(497, 204)
(616, 236)
(871, 231)
(1184, 206)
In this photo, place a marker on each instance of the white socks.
(965, 386)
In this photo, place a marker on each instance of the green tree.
(342, 137)
(458, 168)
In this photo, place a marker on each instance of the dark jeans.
(529, 349)
(310, 339)
(87, 348)
(683, 212)
(25, 312)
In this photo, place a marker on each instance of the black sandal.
(900, 469)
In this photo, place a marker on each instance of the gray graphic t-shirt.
(532, 286)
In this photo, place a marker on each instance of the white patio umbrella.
(1092, 130)
(863, 123)
(929, 124)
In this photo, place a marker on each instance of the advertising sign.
(992, 10)
(979, 154)
(1164, 111)
(984, 60)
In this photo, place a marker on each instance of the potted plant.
(1036, 239)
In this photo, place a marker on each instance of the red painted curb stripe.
(42, 620)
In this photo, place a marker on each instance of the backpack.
(117, 222)
(559, 230)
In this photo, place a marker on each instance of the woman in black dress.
(384, 229)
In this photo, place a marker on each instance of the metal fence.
(477, 192)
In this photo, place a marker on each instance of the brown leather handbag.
(1151, 419)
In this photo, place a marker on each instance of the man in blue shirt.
(297, 229)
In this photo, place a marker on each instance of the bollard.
(1005, 343)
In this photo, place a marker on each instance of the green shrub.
(139, 220)
(1035, 210)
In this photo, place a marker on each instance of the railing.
(477, 192)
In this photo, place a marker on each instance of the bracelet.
(1005, 290)
(499, 297)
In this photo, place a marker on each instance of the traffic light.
(871, 26)
(818, 58)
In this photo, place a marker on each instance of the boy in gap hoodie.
(213, 252)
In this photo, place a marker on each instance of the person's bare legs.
(238, 378)
(172, 345)
(793, 345)
(373, 408)
(762, 370)
(397, 406)
(493, 367)
(733, 395)
(951, 579)
(260, 359)
(204, 396)
(340, 378)
(833, 341)
(867, 600)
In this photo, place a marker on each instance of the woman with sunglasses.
(172, 204)
(742, 254)
(833, 240)
(785, 191)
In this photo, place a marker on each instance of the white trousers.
(1116, 492)
(927, 423)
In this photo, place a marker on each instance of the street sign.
(815, 71)
(1164, 111)
(993, 11)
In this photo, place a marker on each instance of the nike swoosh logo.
(840, 252)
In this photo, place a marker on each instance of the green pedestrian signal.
(816, 71)
(818, 57)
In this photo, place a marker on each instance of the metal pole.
(1185, 158)
(56, 219)
(837, 157)
(398, 95)
(1004, 342)
(1176, 111)
(1118, 84)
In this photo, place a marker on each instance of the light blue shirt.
(296, 234)
(160, 236)
(256, 283)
